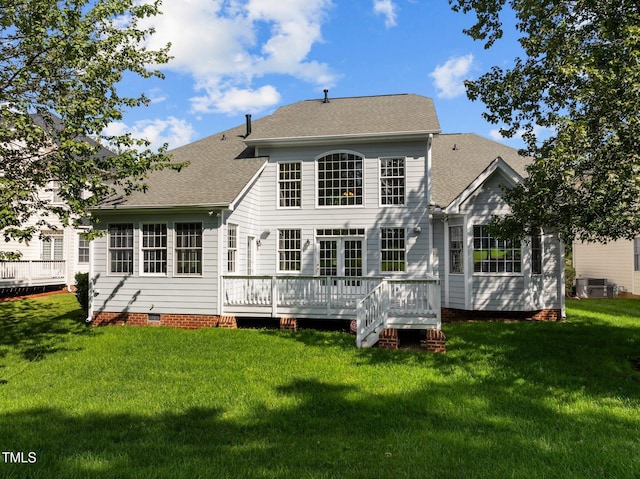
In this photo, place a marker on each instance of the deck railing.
(311, 292)
(414, 297)
(27, 273)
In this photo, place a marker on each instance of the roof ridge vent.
(326, 96)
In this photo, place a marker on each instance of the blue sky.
(233, 57)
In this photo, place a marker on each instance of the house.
(53, 256)
(50, 260)
(348, 208)
(602, 269)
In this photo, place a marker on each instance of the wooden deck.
(376, 303)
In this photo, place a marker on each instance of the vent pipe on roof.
(248, 125)
(326, 96)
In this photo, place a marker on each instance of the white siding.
(157, 294)
(613, 261)
(247, 215)
(512, 291)
(370, 215)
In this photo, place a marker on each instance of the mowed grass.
(515, 400)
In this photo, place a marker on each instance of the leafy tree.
(61, 64)
(579, 76)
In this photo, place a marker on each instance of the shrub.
(569, 277)
(82, 291)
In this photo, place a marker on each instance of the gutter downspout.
(428, 201)
(89, 318)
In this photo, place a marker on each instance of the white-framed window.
(153, 245)
(53, 246)
(54, 187)
(636, 254)
(83, 250)
(232, 248)
(289, 250)
(121, 248)
(392, 181)
(456, 250)
(251, 255)
(188, 249)
(494, 255)
(290, 185)
(392, 250)
(340, 180)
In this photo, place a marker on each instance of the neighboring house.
(343, 208)
(53, 256)
(51, 260)
(616, 262)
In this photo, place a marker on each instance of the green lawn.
(516, 400)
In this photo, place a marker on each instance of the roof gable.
(461, 162)
(496, 166)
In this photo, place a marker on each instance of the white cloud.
(226, 45)
(156, 95)
(174, 131)
(449, 78)
(387, 9)
(235, 100)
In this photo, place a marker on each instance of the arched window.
(340, 179)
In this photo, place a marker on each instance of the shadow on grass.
(322, 430)
(34, 329)
(589, 355)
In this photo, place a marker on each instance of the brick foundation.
(183, 321)
(388, 339)
(450, 315)
(435, 341)
(228, 322)
(289, 324)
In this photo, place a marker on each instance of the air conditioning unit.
(593, 288)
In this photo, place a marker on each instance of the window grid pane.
(456, 250)
(492, 255)
(83, 250)
(392, 250)
(232, 248)
(154, 248)
(188, 249)
(392, 181)
(340, 180)
(290, 250)
(290, 184)
(121, 248)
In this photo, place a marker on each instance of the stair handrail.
(371, 313)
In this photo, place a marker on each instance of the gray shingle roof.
(350, 117)
(220, 166)
(452, 170)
